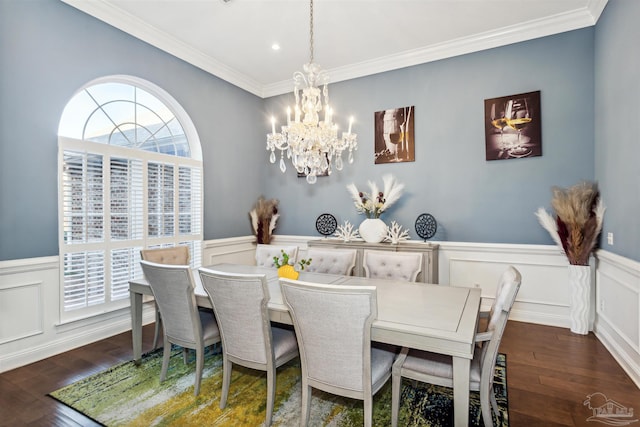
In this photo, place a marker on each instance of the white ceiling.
(352, 38)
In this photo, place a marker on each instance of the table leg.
(136, 325)
(461, 371)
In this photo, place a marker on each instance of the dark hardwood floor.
(550, 372)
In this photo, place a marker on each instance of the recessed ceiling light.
(275, 46)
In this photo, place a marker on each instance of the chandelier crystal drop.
(312, 144)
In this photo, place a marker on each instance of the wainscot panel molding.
(617, 323)
(544, 294)
(241, 250)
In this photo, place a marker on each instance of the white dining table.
(435, 318)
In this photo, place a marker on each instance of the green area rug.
(130, 395)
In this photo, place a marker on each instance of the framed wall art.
(394, 136)
(513, 127)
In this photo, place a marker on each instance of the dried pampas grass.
(264, 217)
(579, 212)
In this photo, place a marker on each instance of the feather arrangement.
(264, 217)
(579, 212)
(375, 202)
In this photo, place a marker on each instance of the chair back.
(177, 255)
(240, 304)
(333, 328)
(392, 265)
(331, 261)
(173, 288)
(508, 287)
(265, 254)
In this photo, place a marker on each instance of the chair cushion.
(265, 254)
(438, 365)
(381, 362)
(210, 329)
(178, 255)
(331, 261)
(283, 341)
(392, 265)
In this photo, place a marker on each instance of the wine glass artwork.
(517, 116)
(512, 126)
(394, 136)
(499, 122)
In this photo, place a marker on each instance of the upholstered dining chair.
(333, 327)
(392, 265)
(177, 255)
(437, 369)
(248, 337)
(331, 261)
(265, 254)
(183, 324)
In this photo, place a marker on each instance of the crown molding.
(508, 35)
(568, 21)
(122, 20)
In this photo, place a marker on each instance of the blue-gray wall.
(472, 199)
(617, 123)
(49, 49)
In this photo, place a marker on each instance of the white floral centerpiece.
(373, 204)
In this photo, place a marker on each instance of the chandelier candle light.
(312, 144)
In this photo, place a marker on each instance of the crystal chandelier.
(312, 144)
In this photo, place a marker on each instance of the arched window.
(130, 170)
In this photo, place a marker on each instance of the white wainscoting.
(544, 294)
(30, 329)
(617, 323)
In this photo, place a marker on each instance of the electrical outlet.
(602, 305)
(610, 239)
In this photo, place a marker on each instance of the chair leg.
(368, 411)
(156, 333)
(396, 382)
(494, 403)
(271, 396)
(486, 409)
(166, 354)
(306, 403)
(226, 380)
(199, 369)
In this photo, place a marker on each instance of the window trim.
(109, 151)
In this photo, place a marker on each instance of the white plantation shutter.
(82, 196)
(83, 279)
(161, 190)
(126, 199)
(121, 191)
(189, 200)
(98, 260)
(125, 266)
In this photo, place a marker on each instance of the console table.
(429, 273)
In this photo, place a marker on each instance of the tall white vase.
(580, 298)
(373, 230)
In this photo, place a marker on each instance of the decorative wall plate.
(326, 224)
(426, 226)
